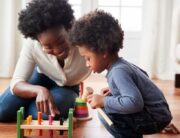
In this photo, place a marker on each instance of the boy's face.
(96, 62)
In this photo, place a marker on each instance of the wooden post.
(39, 123)
(106, 118)
(50, 123)
(18, 124)
(70, 123)
(81, 89)
(22, 112)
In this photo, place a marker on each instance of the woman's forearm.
(25, 90)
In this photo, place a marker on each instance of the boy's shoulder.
(125, 66)
(121, 64)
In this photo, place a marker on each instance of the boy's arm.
(126, 96)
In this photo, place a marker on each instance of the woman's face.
(55, 41)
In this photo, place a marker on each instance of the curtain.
(175, 42)
(158, 38)
(10, 38)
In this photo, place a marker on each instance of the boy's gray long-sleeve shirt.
(132, 92)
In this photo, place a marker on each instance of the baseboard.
(177, 80)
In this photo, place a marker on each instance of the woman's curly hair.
(41, 15)
(99, 31)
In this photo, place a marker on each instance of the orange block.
(81, 108)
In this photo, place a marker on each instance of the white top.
(73, 72)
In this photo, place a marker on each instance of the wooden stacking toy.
(81, 110)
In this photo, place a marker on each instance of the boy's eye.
(87, 59)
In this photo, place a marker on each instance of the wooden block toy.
(81, 109)
(23, 126)
(81, 89)
(61, 123)
(50, 123)
(39, 123)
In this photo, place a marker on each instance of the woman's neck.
(61, 63)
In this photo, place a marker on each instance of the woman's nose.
(55, 52)
(49, 51)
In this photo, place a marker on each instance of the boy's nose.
(87, 64)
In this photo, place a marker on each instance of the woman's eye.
(46, 47)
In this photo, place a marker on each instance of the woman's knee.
(2, 116)
(6, 115)
(64, 96)
(64, 99)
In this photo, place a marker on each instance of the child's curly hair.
(41, 15)
(99, 31)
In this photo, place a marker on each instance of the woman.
(49, 70)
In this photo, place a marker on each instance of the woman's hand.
(105, 92)
(45, 102)
(95, 101)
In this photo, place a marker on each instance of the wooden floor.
(93, 128)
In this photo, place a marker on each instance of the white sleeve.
(25, 65)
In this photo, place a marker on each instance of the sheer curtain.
(158, 43)
(176, 34)
(10, 38)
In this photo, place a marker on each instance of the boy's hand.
(95, 101)
(89, 91)
(45, 102)
(105, 92)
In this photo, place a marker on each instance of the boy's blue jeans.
(64, 98)
(132, 125)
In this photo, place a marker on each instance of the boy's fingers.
(89, 96)
(89, 100)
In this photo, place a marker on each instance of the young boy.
(136, 105)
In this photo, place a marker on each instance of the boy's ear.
(105, 54)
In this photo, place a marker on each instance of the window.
(76, 6)
(128, 12)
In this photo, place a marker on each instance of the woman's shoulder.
(32, 45)
(32, 48)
